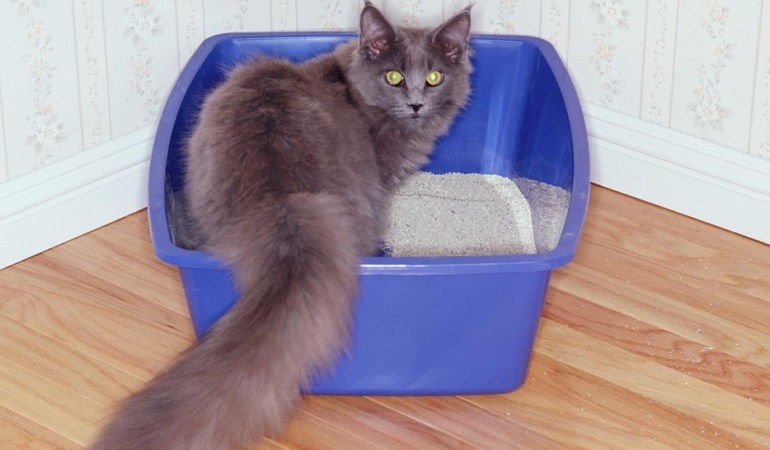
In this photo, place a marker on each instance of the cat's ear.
(377, 35)
(451, 37)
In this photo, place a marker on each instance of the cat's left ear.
(377, 34)
(452, 36)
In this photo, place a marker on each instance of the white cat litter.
(473, 214)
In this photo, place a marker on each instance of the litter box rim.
(562, 254)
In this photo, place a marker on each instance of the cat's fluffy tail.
(243, 380)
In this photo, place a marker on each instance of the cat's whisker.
(384, 123)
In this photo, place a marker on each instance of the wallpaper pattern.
(75, 74)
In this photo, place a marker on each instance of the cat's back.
(284, 114)
(265, 90)
(275, 128)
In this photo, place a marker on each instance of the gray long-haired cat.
(289, 175)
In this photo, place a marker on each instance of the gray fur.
(290, 172)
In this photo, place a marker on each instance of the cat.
(289, 174)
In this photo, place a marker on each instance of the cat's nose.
(415, 106)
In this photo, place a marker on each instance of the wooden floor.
(656, 336)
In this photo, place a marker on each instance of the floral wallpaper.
(77, 74)
(44, 130)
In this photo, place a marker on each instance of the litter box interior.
(515, 125)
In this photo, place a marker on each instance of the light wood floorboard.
(657, 335)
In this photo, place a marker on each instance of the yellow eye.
(434, 78)
(394, 78)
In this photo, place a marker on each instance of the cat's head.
(418, 76)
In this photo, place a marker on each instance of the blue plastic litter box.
(423, 326)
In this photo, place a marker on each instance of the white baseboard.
(680, 172)
(67, 199)
(677, 171)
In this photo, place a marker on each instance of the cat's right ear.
(377, 34)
